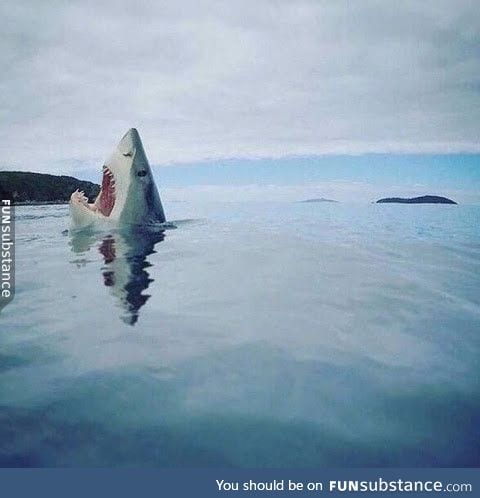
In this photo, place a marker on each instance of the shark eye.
(142, 173)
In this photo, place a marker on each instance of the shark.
(128, 194)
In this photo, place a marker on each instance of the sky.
(341, 96)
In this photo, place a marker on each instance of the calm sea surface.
(254, 334)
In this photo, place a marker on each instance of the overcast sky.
(212, 80)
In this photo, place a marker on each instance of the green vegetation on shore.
(38, 188)
(424, 199)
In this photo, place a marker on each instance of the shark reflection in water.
(125, 264)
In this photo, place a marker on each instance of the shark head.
(128, 193)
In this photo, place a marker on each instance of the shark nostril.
(142, 173)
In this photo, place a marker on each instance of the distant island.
(425, 199)
(38, 188)
(319, 199)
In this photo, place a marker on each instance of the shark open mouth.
(128, 194)
(106, 199)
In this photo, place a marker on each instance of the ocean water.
(252, 335)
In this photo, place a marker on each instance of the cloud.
(212, 79)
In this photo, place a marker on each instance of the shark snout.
(130, 142)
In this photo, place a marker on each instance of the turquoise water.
(254, 334)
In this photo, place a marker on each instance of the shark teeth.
(106, 199)
(107, 172)
(81, 197)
